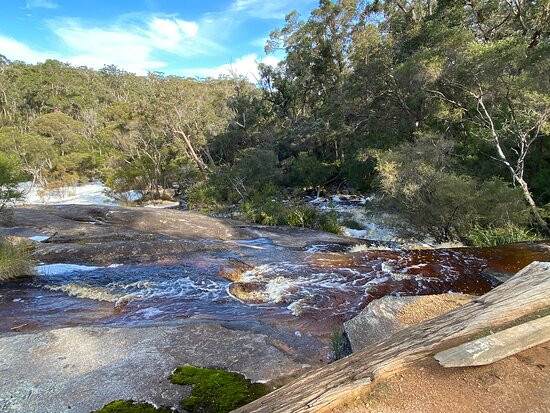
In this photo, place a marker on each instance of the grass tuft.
(493, 236)
(15, 261)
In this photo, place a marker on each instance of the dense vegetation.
(440, 107)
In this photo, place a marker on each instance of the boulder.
(386, 316)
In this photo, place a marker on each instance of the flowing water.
(309, 291)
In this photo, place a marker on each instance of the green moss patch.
(129, 406)
(216, 391)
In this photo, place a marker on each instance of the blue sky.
(179, 37)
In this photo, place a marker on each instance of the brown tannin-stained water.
(311, 292)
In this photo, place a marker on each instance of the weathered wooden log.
(495, 347)
(321, 390)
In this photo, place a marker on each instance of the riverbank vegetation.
(15, 260)
(440, 108)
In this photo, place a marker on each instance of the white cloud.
(41, 4)
(168, 33)
(15, 50)
(261, 42)
(265, 9)
(244, 66)
(97, 47)
(132, 46)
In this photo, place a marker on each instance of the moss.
(129, 406)
(216, 390)
(341, 347)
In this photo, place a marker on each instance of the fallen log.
(495, 347)
(525, 294)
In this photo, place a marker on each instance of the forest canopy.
(441, 108)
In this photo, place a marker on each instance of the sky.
(178, 37)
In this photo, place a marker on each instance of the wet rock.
(386, 316)
(86, 368)
(496, 277)
(107, 234)
(250, 292)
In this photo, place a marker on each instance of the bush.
(15, 260)
(417, 183)
(203, 196)
(10, 176)
(306, 171)
(274, 212)
(253, 169)
(492, 236)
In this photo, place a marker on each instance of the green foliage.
(307, 171)
(216, 391)
(253, 169)
(361, 83)
(329, 223)
(351, 223)
(203, 196)
(15, 260)
(359, 174)
(10, 176)
(130, 406)
(274, 212)
(507, 234)
(419, 185)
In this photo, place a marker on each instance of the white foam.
(355, 233)
(82, 291)
(93, 193)
(39, 238)
(57, 269)
(365, 247)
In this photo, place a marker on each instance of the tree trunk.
(198, 161)
(517, 173)
(323, 389)
(534, 209)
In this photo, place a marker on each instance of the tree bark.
(198, 161)
(516, 173)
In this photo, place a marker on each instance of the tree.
(10, 176)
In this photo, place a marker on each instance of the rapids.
(308, 290)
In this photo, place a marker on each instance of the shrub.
(307, 171)
(274, 212)
(203, 196)
(329, 223)
(416, 181)
(253, 169)
(15, 260)
(10, 176)
(492, 236)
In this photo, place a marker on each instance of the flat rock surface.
(83, 368)
(98, 234)
(386, 316)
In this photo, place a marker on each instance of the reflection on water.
(309, 290)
